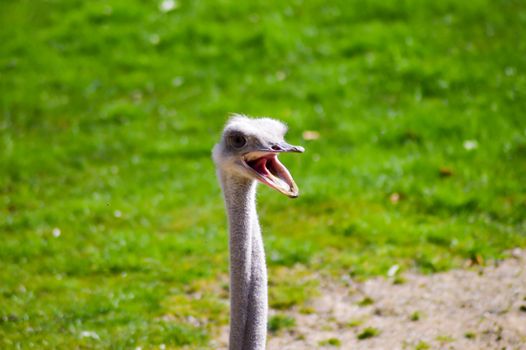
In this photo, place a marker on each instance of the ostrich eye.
(238, 141)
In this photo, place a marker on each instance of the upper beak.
(285, 147)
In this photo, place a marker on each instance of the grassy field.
(111, 219)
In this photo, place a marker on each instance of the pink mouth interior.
(260, 164)
(273, 173)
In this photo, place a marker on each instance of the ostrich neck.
(248, 273)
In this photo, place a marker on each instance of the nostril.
(276, 148)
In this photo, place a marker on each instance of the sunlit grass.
(111, 218)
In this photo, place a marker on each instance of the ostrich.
(248, 151)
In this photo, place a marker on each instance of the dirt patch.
(476, 308)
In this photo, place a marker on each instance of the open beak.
(266, 167)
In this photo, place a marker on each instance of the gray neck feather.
(248, 272)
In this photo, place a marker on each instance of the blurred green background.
(112, 222)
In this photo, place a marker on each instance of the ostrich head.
(249, 148)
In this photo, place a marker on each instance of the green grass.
(111, 219)
(355, 323)
(280, 322)
(470, 335)
(422, 345)
(367, 333)
(331, 342)
(366, 301)
(415, 316)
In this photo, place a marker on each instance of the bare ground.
(475, 308)
(483, 308)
